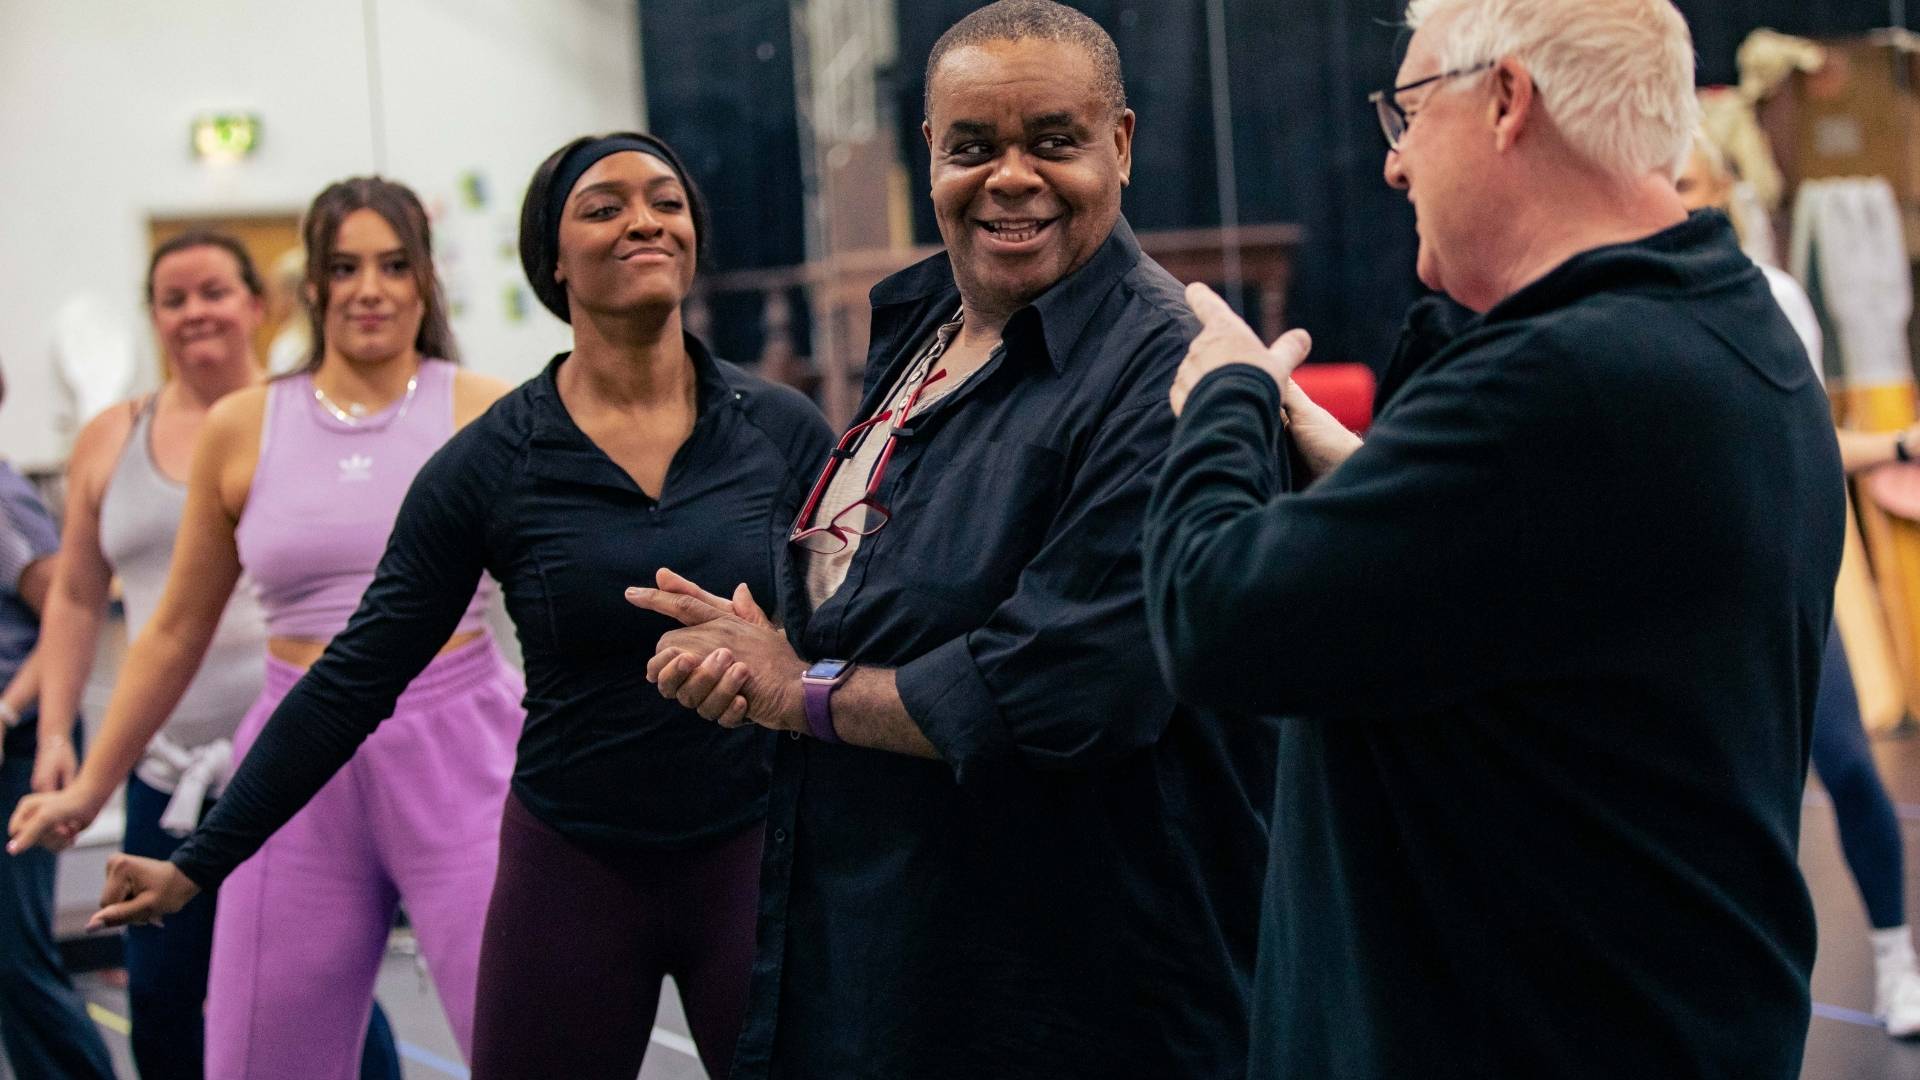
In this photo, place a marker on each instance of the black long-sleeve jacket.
(1550, 642)
(523, 494)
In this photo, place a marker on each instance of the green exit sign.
(225, 136)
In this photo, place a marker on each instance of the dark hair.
(540, 237)
(198, 238)
(1015, 20)
(401, 208)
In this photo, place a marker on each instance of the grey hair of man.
(1617, 75)
(1044, 20)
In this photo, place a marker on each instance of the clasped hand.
(729, 662)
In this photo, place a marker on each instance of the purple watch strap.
(819, 702)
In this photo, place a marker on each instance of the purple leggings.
(579, 938)
(415, 817)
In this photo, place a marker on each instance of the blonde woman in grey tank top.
(126, 491)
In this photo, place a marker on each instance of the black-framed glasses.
(1393, 118)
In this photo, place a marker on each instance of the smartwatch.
(818, 684)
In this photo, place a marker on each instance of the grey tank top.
(139, 516)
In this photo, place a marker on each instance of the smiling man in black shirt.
(995, 846)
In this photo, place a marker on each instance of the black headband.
(582, 157)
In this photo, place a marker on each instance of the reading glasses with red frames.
(865, 516)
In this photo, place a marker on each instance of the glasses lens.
(1392, 124)
(863, 518)
(821, 541)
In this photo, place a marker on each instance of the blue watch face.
(826, 670)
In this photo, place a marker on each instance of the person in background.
(1869, 829)
(126, 491)
(288, 313)
(43, 1021)
(1549, 640)
(297, 483)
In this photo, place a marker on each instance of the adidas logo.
(357, 467)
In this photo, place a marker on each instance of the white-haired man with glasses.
(1549, 639)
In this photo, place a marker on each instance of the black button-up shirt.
(524, 494)
(1074, 889)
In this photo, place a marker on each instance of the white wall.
(96, 98)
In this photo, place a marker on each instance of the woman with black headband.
(630, 846)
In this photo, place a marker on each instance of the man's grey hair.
(1616, 76)
(1043, 20)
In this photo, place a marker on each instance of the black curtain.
(1307, 149)
(719, 84)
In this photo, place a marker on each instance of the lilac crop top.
(324, 497)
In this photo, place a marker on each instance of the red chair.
(1345, 390)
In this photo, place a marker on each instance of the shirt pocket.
(979, 513)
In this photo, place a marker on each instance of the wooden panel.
(1892, 547)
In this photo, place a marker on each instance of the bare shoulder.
(236, 418)
(228, 450)
(98, 446)
(474, 393)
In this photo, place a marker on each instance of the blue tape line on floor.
(1845, 1016)
(432, 1060)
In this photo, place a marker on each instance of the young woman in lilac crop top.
(125, 495)
(298, 482)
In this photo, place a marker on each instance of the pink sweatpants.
(413, 818)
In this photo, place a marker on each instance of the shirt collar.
(1062, 312)
(1699, 250)
(713, 385)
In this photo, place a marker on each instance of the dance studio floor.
(427, 1051)
(1843, 1043)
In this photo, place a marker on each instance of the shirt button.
(779, 836)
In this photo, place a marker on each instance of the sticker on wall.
(506, 242)
(473, 189)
